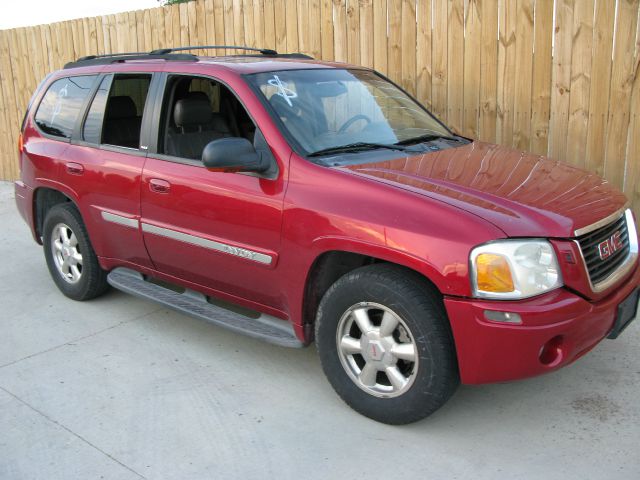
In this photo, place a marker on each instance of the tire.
(405, 367)
(65, 237)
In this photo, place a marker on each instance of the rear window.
(60, 106)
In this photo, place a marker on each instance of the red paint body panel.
(523, 194)
(425, 212)
(493, 352)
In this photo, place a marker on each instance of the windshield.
(323, 109)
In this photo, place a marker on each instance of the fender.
(326, 244)
(68, 192)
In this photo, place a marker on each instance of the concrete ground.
(119, 388)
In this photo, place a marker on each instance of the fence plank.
(366, 33)
(472, 60)
(249, 24)
(439, 59)
(340, 30)
(455, 62)
(541, 83)
(620, 91)
(408, 46)
(506, 66)
(423, 52)
(580, 82)
(523, 74)
(326, 27)
(561, 79)
(488, 71)
(292, 25)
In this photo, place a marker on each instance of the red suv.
(297, 201)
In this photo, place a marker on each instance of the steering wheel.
(352, 120)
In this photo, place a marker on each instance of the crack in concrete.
(79, 339)
(67, 429)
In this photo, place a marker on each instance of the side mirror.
(233, 154)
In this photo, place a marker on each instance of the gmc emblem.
(610, 246)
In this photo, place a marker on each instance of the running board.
(264, 327)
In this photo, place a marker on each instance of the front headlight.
(514, 269)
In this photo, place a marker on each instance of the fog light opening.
(551, 352)
(503, 317)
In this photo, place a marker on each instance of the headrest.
(198, 95)
(121, 107)
(191, 111)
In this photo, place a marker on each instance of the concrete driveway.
(118, 388)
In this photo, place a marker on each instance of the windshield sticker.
(283, 91)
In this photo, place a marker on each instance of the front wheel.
(385, 344)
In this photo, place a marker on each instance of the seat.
(121, 123)
(196, 126)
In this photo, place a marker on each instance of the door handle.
(157, 185)
(74, 168)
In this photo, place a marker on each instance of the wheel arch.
(44, 198)
(331, 264)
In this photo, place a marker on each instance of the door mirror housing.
(233, 154)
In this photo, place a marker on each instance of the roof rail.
(263, 51)
(169, 55)
(109, 58)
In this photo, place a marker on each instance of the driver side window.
(197, 111)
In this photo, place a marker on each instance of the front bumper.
(491, 351)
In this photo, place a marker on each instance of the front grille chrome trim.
(601, 223)
(628, 263)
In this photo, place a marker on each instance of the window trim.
(80, 112)
(141, 152)
(79, 130)
(154, 132)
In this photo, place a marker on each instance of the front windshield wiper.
(427, 138)
(356, 147)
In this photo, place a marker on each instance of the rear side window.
(92, 131)
(115, 115)
(60, 106)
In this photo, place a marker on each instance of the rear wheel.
(70, 257)
(385, 344)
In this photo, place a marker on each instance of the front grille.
(600, 269)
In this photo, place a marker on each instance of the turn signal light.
(20, 143)
(493, 273)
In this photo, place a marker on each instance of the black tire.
(92, 280)
(434, 376)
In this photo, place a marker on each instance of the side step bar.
(264, 327)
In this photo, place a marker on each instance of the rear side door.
(104, 162)
(218, 230)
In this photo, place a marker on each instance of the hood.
(523, 194)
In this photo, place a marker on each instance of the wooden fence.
(557, 77)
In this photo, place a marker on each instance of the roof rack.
(169, 55)
(263, 51)
(106, 59)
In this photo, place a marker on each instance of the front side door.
(218, 230)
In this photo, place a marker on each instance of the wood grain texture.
(622, 78)
(541, 82)
(561, 79)
(488, 70)
(580, 81)
(472, 61)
